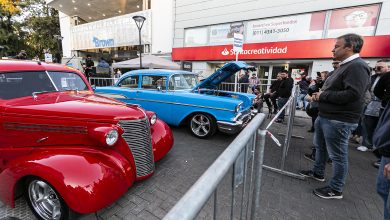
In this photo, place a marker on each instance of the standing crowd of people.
(351, 100)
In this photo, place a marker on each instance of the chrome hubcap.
(200, 125)
(44, 200)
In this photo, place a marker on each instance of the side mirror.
(158, 88)
(93, 87)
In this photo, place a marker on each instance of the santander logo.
(225, 52)
(263, 50)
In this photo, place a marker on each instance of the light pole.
(59, 47)
(139, 21)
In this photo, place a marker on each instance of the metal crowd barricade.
(290, 105)
(230, 87)
(247, 146)
(99, 81)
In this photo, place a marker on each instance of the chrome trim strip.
(172, 103)
(177, 103)
(229, 123)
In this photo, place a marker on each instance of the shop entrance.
(268, 72)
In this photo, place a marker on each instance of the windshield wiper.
(70, 90)
(34, 94)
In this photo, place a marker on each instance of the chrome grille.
(137, 136)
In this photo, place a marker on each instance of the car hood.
(73, 106)
(222, 74)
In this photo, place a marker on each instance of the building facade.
(279, 34)
(106, 28)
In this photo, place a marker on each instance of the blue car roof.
(156, 72)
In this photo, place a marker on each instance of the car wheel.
(45, 202)
(202, 125)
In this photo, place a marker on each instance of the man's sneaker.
(310, 157)
(362, 148)
(328, 193)
(376, 164)
(311, 174)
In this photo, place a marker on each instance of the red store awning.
(375, 46)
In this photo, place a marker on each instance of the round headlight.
(153, 119)
(112, 137)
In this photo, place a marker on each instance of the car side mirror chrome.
(158, 88)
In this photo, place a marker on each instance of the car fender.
(85, 178)
(162, 139)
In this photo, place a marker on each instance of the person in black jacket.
(371, 114)
(340, 104)
(381, 140)
(284, 92)
(382, 89)
(244, 82)
(272, 95)
(88, 66)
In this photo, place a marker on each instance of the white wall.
(383, 27)
(194, 13)
(65, 33)
(202, 68)
(162, 26)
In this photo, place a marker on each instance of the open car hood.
(222, 74)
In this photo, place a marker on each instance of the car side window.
(130, 82)
(154, 82)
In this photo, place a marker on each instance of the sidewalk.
(288, 198)
(282, 197)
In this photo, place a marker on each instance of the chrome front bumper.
(239, 123)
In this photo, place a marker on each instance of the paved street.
(282, 197)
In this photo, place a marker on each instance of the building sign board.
(195, 37)
(296, 27)
(374, 46)
(359, 20)
(238, 42)
(224, 33)
(112, 32)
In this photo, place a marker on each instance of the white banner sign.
(223, 34)
(112, 32)
(297, 27)
(48, 58)
(238, 41)
(195, 37)
(359, 20)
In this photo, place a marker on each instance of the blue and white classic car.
(177, 97)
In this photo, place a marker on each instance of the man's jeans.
(281, 103)
(383, 186)
(301, 102)
(331, 137)
(368, 127)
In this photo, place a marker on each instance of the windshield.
(67, 81)
(183, 81)
(20, 84)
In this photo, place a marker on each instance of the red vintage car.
(67, 149)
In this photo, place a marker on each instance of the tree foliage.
(29, 25)
(9, 7)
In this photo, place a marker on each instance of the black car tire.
(202, 125)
